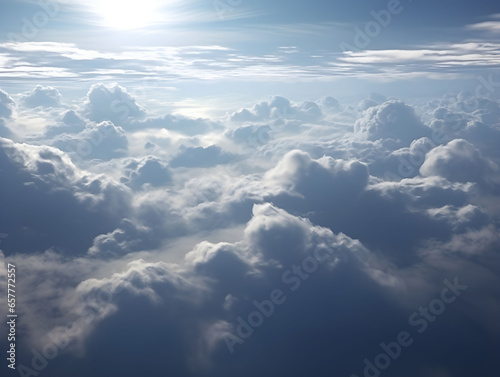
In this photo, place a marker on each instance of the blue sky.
(250, 188)
(265, 45)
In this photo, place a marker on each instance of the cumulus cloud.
(69, 124)
(6, 105)
(174, 242)
(113, 104)
(459, 161)
(279, 108)
(147, 171)
(200, 157)
(391, 120)
(42, 96)
(250, 134)
(97, 141)
(51, 203)
(178, 123)
(319, 282)
(329, 103)
(6, 109)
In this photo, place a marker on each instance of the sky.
(234, 188)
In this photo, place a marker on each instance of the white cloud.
(491, 26)
(114, 104)
(42, 96)
(147, 171)
(6, 105)
(391, 120)
(459, 161)
(102, 141)
(101, 249)
(201, 157)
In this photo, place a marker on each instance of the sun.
(127, 14)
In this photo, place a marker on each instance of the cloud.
(453, 55)
(51, 202)
(329, 103)
(491, 26)
(194, 157)
(316, 179)
(278, 108)
(70, 123)
(324, 281)
(459, 161)
(391, 120)
(148, 171)
(102, 141)
(42, 96)
(250, 134)
(6, 105)
(146, 248)
(388, 217)
(113, 104)
(6, 109)
(374, 100)
(178, 123)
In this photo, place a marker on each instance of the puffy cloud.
(175, 263)
(4, 130)
(113, 104)
(126, 238)
(404, 162)
(97, 141)
(374, 99)
(51, 203)
(250, 134)
(6, 108)
(329, 104)
(42, 96)
(70, 123)
(483, 137)
(279, 108)
(178, 123)
(6, 105)
(317, 180)
(194, 157)
(319, 282)
(459, 161)
(386, 216)
(186, 301)
(391, 120)
(147, 171)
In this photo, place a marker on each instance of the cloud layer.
(308, 235)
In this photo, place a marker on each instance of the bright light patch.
(127, 14)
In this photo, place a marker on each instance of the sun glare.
(127, 14)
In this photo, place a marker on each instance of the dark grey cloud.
(51, 203)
